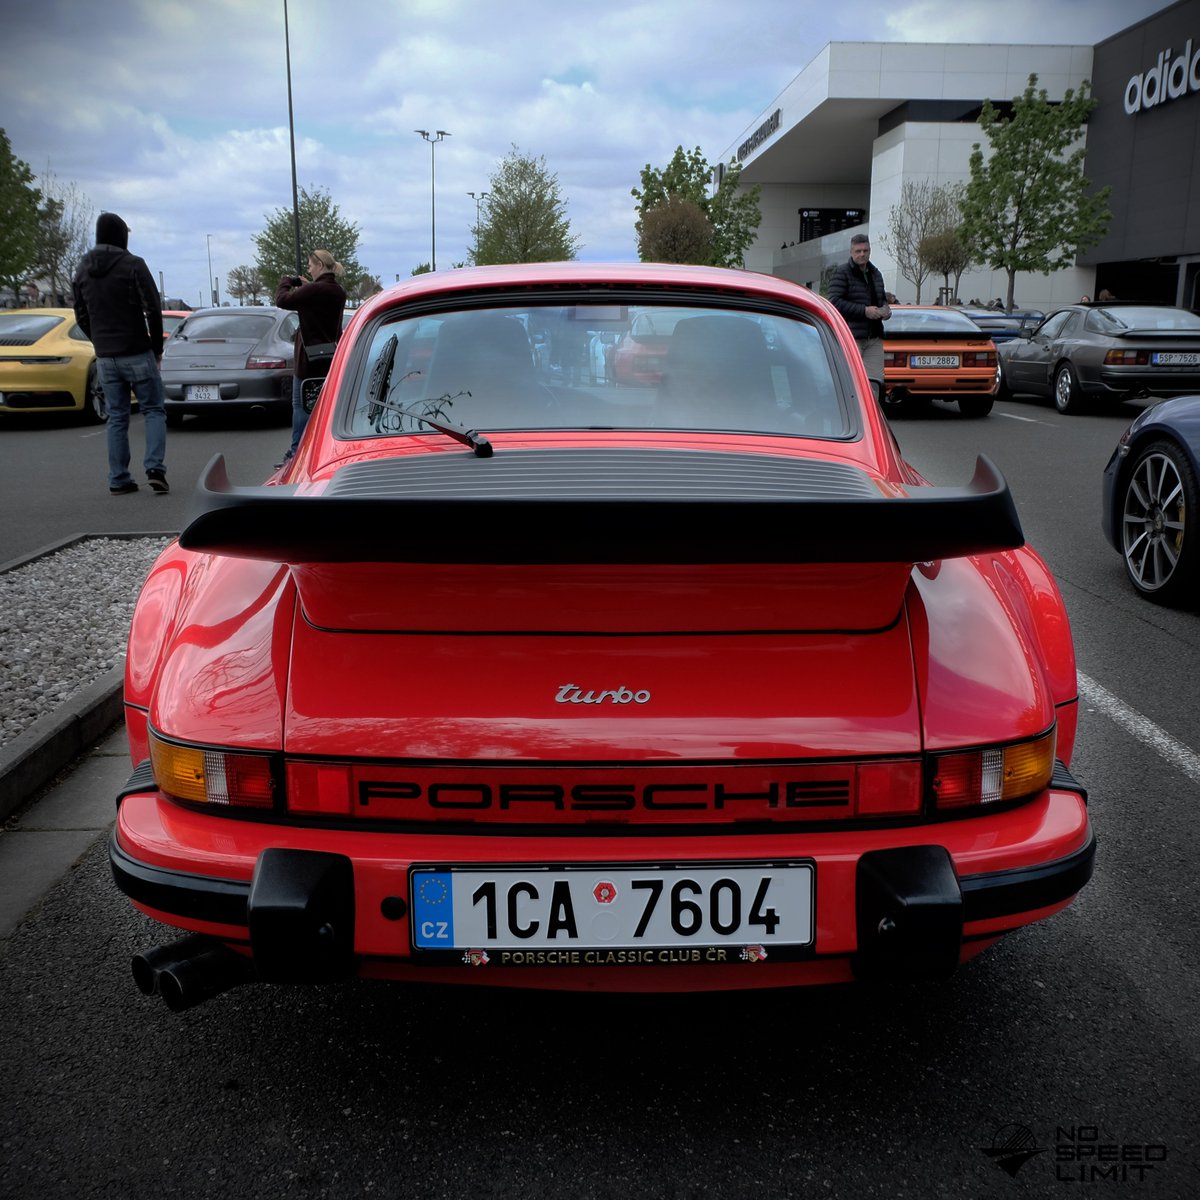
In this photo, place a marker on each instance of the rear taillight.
(895, 359)
(1127, 358)
(991, 774)
(979, 358)
(258, 363)
(204, 775)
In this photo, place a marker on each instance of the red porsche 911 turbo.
(516, 681)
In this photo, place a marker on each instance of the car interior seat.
(717, 374)
(490, 356)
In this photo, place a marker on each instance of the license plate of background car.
(934, 360)
(618, 906)
(1175, 358)
(203, 391)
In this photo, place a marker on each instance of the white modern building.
(833, 151)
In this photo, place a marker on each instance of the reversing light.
(203, 775)
(992, 774)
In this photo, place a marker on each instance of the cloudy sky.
(174, 113)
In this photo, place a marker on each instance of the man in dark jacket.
(118, 307)
(856, 290)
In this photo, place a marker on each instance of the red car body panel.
(439, 707)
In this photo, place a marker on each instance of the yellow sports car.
(47, 364)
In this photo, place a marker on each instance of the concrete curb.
(36, 755)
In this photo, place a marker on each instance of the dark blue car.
(1151, 510)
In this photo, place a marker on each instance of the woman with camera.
(320, 304)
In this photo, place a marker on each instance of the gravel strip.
(64, 620)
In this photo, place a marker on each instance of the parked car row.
(227, 358)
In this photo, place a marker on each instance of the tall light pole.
(432, 139)
(287, 42)
(211, 300)
(479, 198)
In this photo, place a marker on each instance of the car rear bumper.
(1117, 383)
(911, 902)
(251, 389)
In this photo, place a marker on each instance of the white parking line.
(1142, 728)
(1030, 420)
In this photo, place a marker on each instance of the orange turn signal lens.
(201, 775)
(992, 774)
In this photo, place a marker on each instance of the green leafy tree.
(946, 254)
(321, 228)
(246, 285)
(524, 217)
(734, 215)
(19, 201)
(676, 231)
(421, 269)
(1028, 205)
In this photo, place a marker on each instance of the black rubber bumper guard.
(298, 910)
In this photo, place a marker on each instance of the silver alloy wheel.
(1153, 521)
(1066, 395)
(95, 404)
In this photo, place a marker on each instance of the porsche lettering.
(598, 797)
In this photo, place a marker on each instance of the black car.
(1152, 501)
(1085, 353)
(1002, 326)
(225, 358)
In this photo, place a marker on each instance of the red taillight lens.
(992, 774)
(1126, 358)
(979, 358)
(202, 775)
(266, 364)
(895, 359)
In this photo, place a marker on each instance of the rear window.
(22, 329)
(1117, 320)
(599, 366)
(930, 320)
(243, 327)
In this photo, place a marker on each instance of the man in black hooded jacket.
(118, 307)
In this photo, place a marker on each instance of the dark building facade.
(1144, 141)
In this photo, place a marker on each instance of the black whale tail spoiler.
(606, 505)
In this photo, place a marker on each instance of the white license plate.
(934, 360)
(612, 907)
(1175, 358)
(203, 391)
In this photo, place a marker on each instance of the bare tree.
(245, 284)
(64, 233)
(925, 209)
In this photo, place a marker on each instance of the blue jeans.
(299, 415)
(117, 376)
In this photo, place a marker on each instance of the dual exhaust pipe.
(188, 972)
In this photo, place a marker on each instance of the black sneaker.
(124, 489)
(157, 481)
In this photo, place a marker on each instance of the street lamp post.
(479, 198)
(432, 139)
(211, 299)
